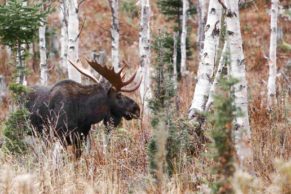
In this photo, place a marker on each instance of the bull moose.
(71, 108)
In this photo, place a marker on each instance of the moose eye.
(118, 96)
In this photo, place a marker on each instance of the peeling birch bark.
(64, 35)
(115, 33)
(242, 132)
(73, 39)
(42, 53)
(184, 36)
(206, 65)
(272, 55)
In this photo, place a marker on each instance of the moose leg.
(77, 144)
(73, 145)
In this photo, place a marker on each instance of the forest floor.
(123, 168)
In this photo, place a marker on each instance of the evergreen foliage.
(17, 124)
(165, 121)
(18, 23)
(162, 102)
(224, 112)
(172, 9)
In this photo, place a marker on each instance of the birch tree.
(73, 38)
(242, 132)
(184, 36)
(64, 35)
(20, 60)
(114, 5)
(202, 13)
(272, 55)
(2, 88)
(218, 74)
(175, 72)
(144, 52)
(206, 65)
(42, 53)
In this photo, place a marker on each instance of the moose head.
(120, 105)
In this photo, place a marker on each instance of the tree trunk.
(221, 65)
(115, 33)
(184, 36)
(175, 72)
(202, 13)
(2, 88)
(206, 65)
(20, 66)
(42, 53)
(64, 35)
(272, 55)
(73, 37)
(242, 131)
(144, 53)
(20, 60)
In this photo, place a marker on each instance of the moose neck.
(94, 105)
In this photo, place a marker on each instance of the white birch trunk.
(206, 65)
(202, 13)
(221, 65)
(175, 72)
(272, 55)
(42, 53)
(20, 65)
(184, 36)
(64, 35)
(115, 33)
(144, 53)
(20, 61)
(2, 88)
(73, 37)
(242, 133)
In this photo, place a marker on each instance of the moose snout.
(136, 112)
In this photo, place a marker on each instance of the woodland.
(160, 96)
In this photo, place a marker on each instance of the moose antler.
(116, 79)
(85, 71)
